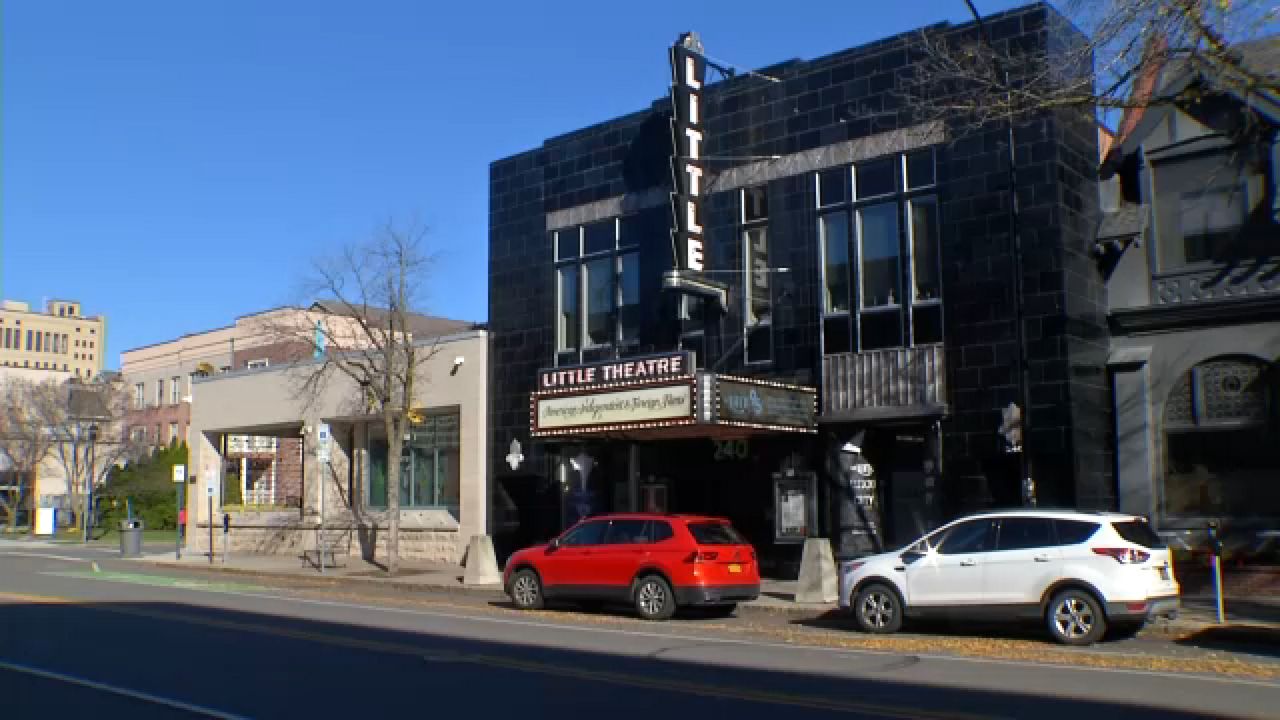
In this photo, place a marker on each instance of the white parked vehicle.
(1078, 572)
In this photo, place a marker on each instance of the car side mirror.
(553, 545)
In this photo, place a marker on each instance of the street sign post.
(210, 494)
(179, 481)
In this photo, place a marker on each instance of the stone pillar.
(1135, 438)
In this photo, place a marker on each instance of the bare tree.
(85, 423)
(25, 444)
(363, 330)
(981, 75)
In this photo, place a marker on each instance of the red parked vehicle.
(654, 562)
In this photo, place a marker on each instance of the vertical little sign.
(179, 480)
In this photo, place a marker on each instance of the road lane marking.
(51, 556)
(121, 691)
(651, 683)
(36, 599)
(181, 583)
(830, 651)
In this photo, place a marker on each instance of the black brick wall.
(847, 95)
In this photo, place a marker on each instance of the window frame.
(745, 229)
(905, 199)
(622, 247)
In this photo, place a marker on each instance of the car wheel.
(877, 609)
(1075, 618)
(526, 590)
(654, 599)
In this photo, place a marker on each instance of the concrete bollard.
(817, 583)
(482, 562)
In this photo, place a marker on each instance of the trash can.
(130, 538)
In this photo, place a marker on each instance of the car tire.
(1075, 617)
(654, 599)
(526, 590)
(877, 609)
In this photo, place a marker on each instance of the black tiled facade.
(845, 96)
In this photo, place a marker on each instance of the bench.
(336, 544)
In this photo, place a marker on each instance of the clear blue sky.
(174, 164)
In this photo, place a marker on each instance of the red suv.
(654, 562)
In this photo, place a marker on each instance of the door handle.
(1041, 558)
(968, 563)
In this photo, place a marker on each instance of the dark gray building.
(1190, 248)
(864, 254)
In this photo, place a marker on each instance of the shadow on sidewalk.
(1248, 639)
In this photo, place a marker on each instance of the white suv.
(1076, 571)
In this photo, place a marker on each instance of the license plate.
(735, 568)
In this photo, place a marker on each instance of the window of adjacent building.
(757, 298)
(878, 234)
(257, 364)
(597, 289)
(1205, 210)
(8, 338)
(429, 468)
(39, 342)
(173, 432)
(1221, 428)
(175, 389)
(159, 394)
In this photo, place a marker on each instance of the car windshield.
(715, 533)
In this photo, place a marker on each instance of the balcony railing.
(250, 444)
(884, 383)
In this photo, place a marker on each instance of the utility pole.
(1020, 335)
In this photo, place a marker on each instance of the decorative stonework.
(1217, 284)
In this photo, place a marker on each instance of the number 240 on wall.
(730, 450)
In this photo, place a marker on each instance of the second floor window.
(1207, 210)
(175, 389)
(757, 298)
(159, 396)
(878, 236)
(139, 396)
(597, 290)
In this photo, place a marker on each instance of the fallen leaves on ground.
(1008, 649)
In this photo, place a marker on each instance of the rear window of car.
(714, 533)
(1139, 532)
(1074, 532)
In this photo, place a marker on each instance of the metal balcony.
(884, 384)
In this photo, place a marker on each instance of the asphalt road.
(132, 645)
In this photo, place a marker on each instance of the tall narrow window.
(159, 394)
(926, 307)
(139, 399)
(834, 231)
(880, 324)
(570, 324)
(629, 298)
(39, 342)
(175, 389)
(600, 299)
(757, 311)
(30, 343)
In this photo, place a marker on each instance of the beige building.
(58, 339)
(443, 489)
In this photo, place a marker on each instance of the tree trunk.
(395, 447)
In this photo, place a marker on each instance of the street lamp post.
(88, 492)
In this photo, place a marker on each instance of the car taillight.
(1124, 556)
(698, 556)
